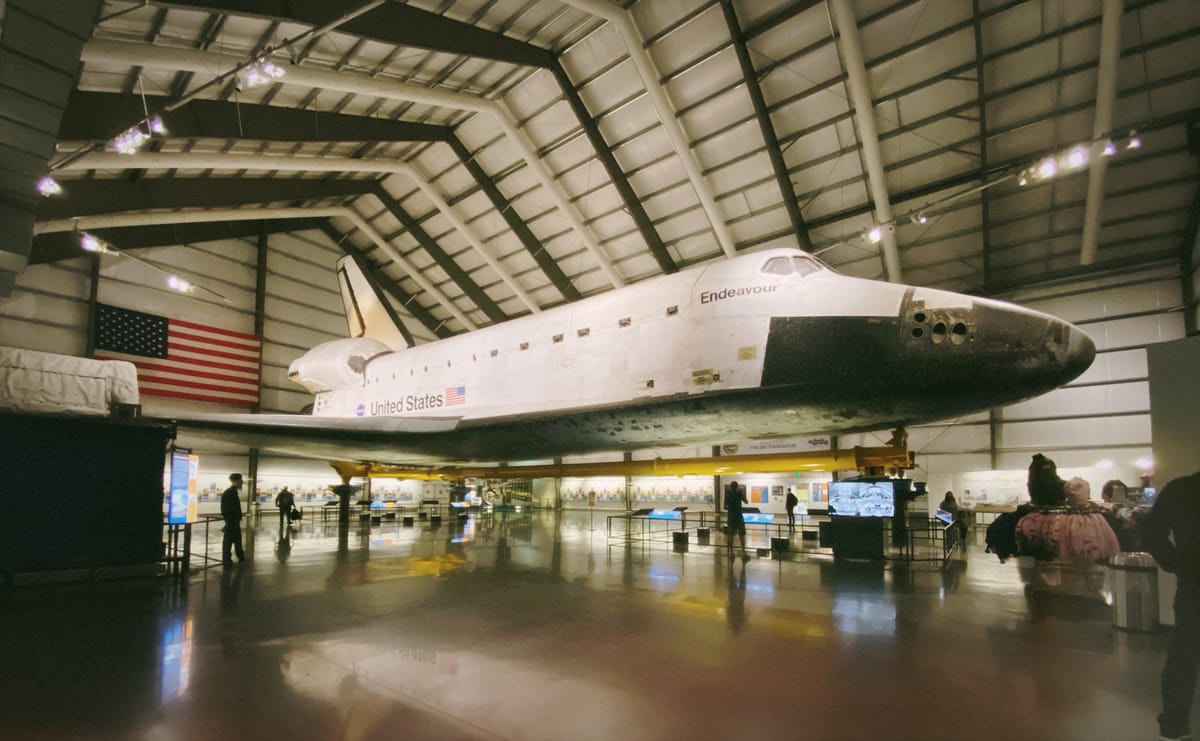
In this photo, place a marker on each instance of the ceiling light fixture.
(48, 186)
(1109, 148)
(875, 234)
(130, 140)
(262, 72)
(180, 284)
(1076, 158)
(92, 243)
(1134, 141)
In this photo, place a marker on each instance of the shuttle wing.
(391, 439)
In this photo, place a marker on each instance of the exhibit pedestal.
(854, 537)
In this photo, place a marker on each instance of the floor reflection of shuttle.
(768, 343)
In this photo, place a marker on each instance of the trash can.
(679, 539)
(1134, 591)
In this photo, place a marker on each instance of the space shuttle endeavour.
(768, 344)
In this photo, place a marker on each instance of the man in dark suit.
(1176, 516)
(231, 512)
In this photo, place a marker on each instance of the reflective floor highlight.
(537, 626)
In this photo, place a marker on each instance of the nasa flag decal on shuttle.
(181, 359)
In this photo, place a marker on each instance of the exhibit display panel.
(862, 499)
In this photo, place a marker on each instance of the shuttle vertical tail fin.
(367, 311)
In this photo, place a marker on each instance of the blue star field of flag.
(130, 332)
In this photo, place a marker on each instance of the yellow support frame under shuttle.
(877, 460)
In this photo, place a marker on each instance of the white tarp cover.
(32, 381)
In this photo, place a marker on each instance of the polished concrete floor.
(541, 627)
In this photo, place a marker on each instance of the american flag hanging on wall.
(180, 359)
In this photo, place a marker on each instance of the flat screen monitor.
(944, 516)
(757, 518)
(664, 514)
(862, 499)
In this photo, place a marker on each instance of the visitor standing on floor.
(735, 523)
(285, 501)
(231, 512)
(950, 505)
(791, 503)
(1176, 517)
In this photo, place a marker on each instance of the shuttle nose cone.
(996, 350)
(1081, 351)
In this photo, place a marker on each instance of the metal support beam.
(447, 263)
(993, 428)
(604, 153)
(635, 46)
(93, 300)
(856, 458)
(767, 128)
(251, 491)
(142, 218)
(1189, 257)
(994, 169)
(404, 298)
(718, 498)
(864, 114)
(323, 164)
(393, 24)
(1106, 95)
(109, 52)
(627, 457)
(90, 197)
(93, 116)
(544, 260)
(260, 302)
(984, 196)
(55, 246)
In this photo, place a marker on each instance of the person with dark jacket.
(1176, 516)
(285, 501)
(791, 503)
(950, 505)
(735, 523)
(231, 512)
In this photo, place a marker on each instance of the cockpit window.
(778, 266)
(805, 265)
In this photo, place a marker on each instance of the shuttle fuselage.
(766, 344)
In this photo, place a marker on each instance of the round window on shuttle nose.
(918, 332)
(958, 333)
(939, 333)
(919, 317)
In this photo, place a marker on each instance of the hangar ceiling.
(519, 154)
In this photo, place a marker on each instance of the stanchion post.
(187, 548)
